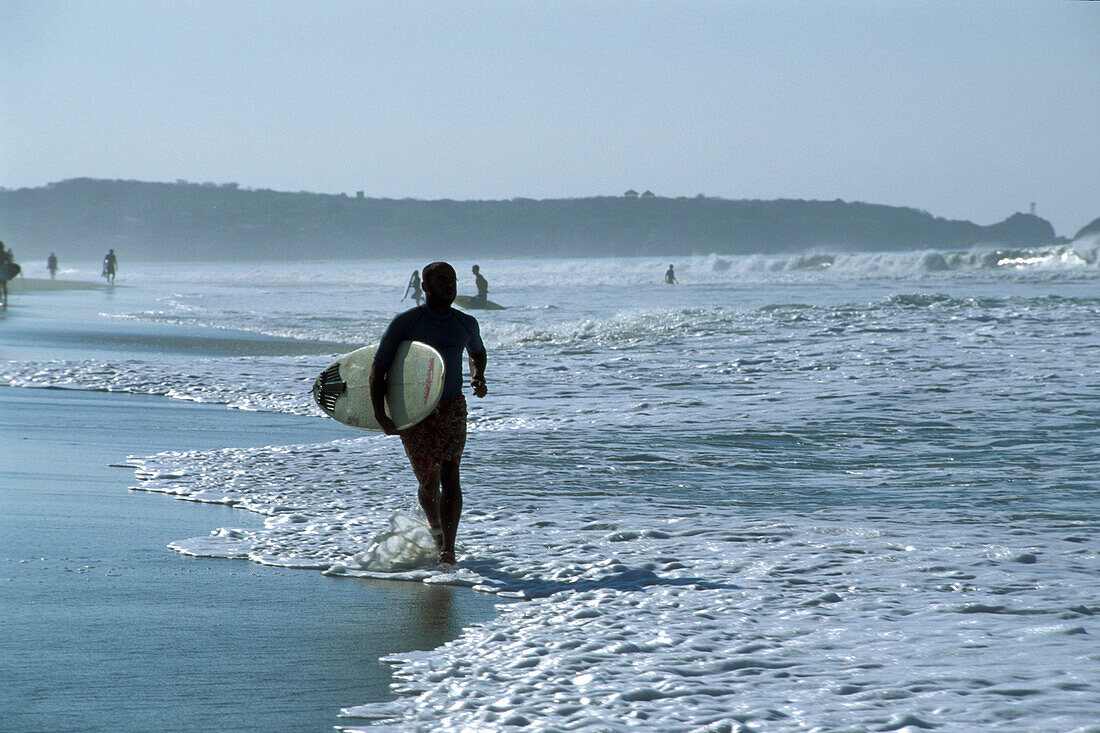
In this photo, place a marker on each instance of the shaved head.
(437, 268)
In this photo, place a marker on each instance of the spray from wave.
(1077, 258)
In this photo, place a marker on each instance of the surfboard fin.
(327, 387)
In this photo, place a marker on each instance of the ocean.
(815, 492)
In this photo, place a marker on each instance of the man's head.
(476, 269)
(440, 284)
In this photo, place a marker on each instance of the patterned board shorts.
(439, 437)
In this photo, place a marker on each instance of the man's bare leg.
(428, 493)
(450, 509)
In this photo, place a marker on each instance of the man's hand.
(386, 424)
(480, 390)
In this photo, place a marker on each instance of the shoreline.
(44, 285)
(98, 607)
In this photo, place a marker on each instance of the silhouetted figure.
(482, 285)
(414, 288)
(670, 277)
(434, 446)
(3, 276)
(8, 270)
(110, 267)
(51, 265)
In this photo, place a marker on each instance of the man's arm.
(477, 372)
(378, 386)
(383, 360)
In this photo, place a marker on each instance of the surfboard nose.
(328, 387)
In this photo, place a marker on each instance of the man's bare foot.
(447, 559)
(437, 538)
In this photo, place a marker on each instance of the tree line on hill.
(207, 222)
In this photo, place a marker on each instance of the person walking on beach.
(110, 266)
(434, 446)
(482, 285)
(8, 270)
(51, 265)
(6, 265)
(414, 288)
(670, 277)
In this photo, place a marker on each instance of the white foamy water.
(808, 493)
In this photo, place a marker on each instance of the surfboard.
(414, 384)
(471, 302)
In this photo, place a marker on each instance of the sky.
(968, 110)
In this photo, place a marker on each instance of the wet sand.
(103, 628)
(41, 285)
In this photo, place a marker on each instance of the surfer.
(414, 288)
(482, 285)
(51, 265)
(6, 260)
(670, 277)
(434, 446)
(110, 266)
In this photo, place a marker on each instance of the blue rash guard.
(448, 334)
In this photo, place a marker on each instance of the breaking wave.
(1077, 258)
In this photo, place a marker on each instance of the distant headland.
(184, 221)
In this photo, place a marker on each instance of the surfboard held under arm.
(414, 384)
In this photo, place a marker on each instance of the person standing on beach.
(51, 265)
(414, 288)
(5, 266)
(481, 283)
(434, 446)
(110, 266)
(670, 276)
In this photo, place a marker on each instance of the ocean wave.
(668, 616)
(270, 384)
(628, 327)
(1075, 259)
(663, 326)
(387, 278)
(553, 301)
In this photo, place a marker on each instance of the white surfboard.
(414, 385)
(472, 302)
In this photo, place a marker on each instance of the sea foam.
(677, 617)
(844, 492)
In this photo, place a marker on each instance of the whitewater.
(813, 492)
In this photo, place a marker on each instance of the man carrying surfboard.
(110, 266)
(434, 445)
(8, 270)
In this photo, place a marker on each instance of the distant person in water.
(414, 288)
(435, 445)
(482, 285)
(51, 265)
(110, 267)
(670, 277)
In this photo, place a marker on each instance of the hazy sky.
(969, 110)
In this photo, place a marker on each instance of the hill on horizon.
(81, 218)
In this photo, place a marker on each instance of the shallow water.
(103, 629)
(822, 492)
